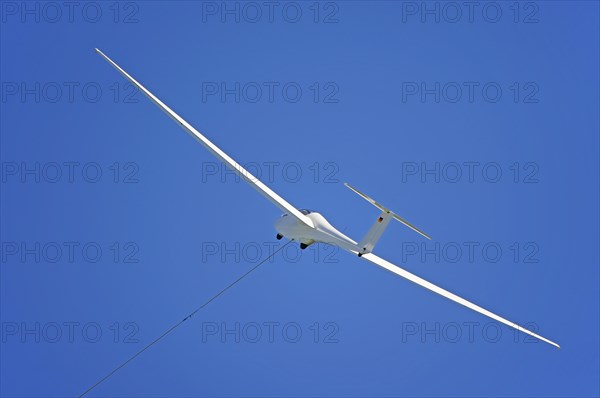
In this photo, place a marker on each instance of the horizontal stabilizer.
(385, 209)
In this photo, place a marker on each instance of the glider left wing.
(222, 156)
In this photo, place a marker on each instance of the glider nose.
(285, 225)
(280, 221)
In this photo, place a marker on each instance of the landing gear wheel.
(303, 246)
(360, 254)
(279, 236)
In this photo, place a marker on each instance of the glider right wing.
(442, 292)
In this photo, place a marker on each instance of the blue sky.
(479, 125)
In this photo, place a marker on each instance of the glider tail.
(370, 240)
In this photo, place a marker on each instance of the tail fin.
(370, 240)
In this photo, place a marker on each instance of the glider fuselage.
(322, 232)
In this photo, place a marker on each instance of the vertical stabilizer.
(370, 240)
(372, 237)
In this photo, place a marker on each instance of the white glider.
(308, 227)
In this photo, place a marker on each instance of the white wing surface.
(428, 285)
(222, 156)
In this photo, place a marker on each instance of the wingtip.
(424, 235)
(547, 341)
